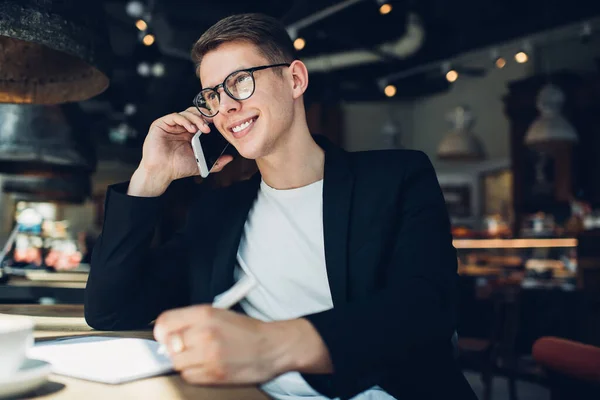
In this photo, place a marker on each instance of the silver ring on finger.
(176, 342)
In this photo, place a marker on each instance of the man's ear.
(299, 75)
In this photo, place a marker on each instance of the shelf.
(513, 243)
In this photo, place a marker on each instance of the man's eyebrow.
(239, 68)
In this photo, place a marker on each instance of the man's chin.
(249, 156)
(249, 151)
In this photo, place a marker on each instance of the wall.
(570, 54)
(364, 122)
(483, 95)
(422, 121)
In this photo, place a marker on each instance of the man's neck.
(297, 162)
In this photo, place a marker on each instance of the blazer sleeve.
(415, 310)
(129, 283)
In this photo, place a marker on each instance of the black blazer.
(390, 263)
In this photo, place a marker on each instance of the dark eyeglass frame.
(222, 85)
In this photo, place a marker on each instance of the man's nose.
(227, 104)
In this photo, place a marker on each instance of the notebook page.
(103, 359)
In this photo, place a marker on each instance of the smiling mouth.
(239, 128)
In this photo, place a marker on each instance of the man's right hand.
(167, 153)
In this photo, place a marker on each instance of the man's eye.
(242, 79)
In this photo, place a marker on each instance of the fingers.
(189, 120)
(179, 319)
(199, 346)
(195, 111)
(222, 162)
(197, 119)
(201, 357)
(176, 123)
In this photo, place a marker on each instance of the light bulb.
(148, 39)
(141, 25)
(451, 75)
(134, 9)
(521, 57)
(385, 9)
(143, 69)
(498, 60)
(130, 109)
(299, 43)
(158, 69)
(390, 90)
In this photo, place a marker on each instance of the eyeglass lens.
(239, 85)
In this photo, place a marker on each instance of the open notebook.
(118, 360)
(103, 359)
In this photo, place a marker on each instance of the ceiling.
(449, 27)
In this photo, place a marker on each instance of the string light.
(148, 39)
(158, 69)
(130, 109)
(144, 69)
(521, 57)
(299, 43)
(390, 90)
(451, 76)
(498, 60)
(141, 25)
(584, 33)
(135, 9)
(385, 9)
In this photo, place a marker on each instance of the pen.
(227, 299)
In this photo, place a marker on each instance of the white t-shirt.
(282, 247)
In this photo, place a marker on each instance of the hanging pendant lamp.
(460, 144)
(52, 52)
(41, 157)
(551, 128)
(39, 138)
(390, 133)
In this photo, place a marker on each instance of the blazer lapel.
(337, 199)
(233, 221)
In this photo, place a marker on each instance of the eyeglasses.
(239, 85)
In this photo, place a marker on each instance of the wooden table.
(55, 321)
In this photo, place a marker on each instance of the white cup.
(16, 336)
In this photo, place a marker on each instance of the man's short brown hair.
(265, 32)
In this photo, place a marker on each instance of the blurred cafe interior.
(504, 98)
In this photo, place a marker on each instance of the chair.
(496, 354)
(574, 367)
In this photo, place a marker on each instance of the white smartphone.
(207, 149)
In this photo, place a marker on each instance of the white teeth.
(238, 128)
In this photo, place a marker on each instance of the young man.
(352, 252)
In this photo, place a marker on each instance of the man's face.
(253, 125)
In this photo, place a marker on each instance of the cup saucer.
(31, 375)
